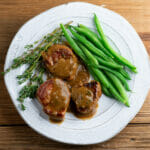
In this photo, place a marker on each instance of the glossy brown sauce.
(64, 64)
(83, 96)
(54, 94)
(65, 68)
(60, 61)
(72, 109)
(58, 100)
(58, 122)
(81, 76)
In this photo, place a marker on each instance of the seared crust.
(85, 97)
(95, 87)
(44, 92)
(61, 61)
(54, 95)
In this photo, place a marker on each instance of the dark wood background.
(15, 134)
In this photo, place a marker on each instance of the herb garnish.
(35, 70)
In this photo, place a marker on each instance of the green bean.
(95, 58)
(72, 43)
(98, 75)
(106, 91)
(122, 71)
(101, 77)
(91, 58)
(125, 74)
(79, 52)
(96, 65)
(93, 74)
(87, 53)
(89, 45)
(118, 86)
(89, 30)
(96, 72)
(123, 80)
(111, 50)
(118, 75)
(108, 64)
(116, 95)
(92, 37)
(115, 72)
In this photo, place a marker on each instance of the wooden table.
(15, 134)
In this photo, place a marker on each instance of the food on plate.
(109, 48)
(71, 54)
(82, 76)
(54, 95)
(85, 98)
(100, 58)
(35, 71)
(92, 36)
(61, 61)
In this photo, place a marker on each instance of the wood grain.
(22, 137)
(14, 132)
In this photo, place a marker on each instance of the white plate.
(111, 116)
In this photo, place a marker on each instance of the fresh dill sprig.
(35, 70)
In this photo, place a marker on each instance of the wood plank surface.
(14, 132)
(22, 137)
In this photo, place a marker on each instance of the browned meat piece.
(61, 61)
(86, 97)
(81, 76)
(54, 95)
